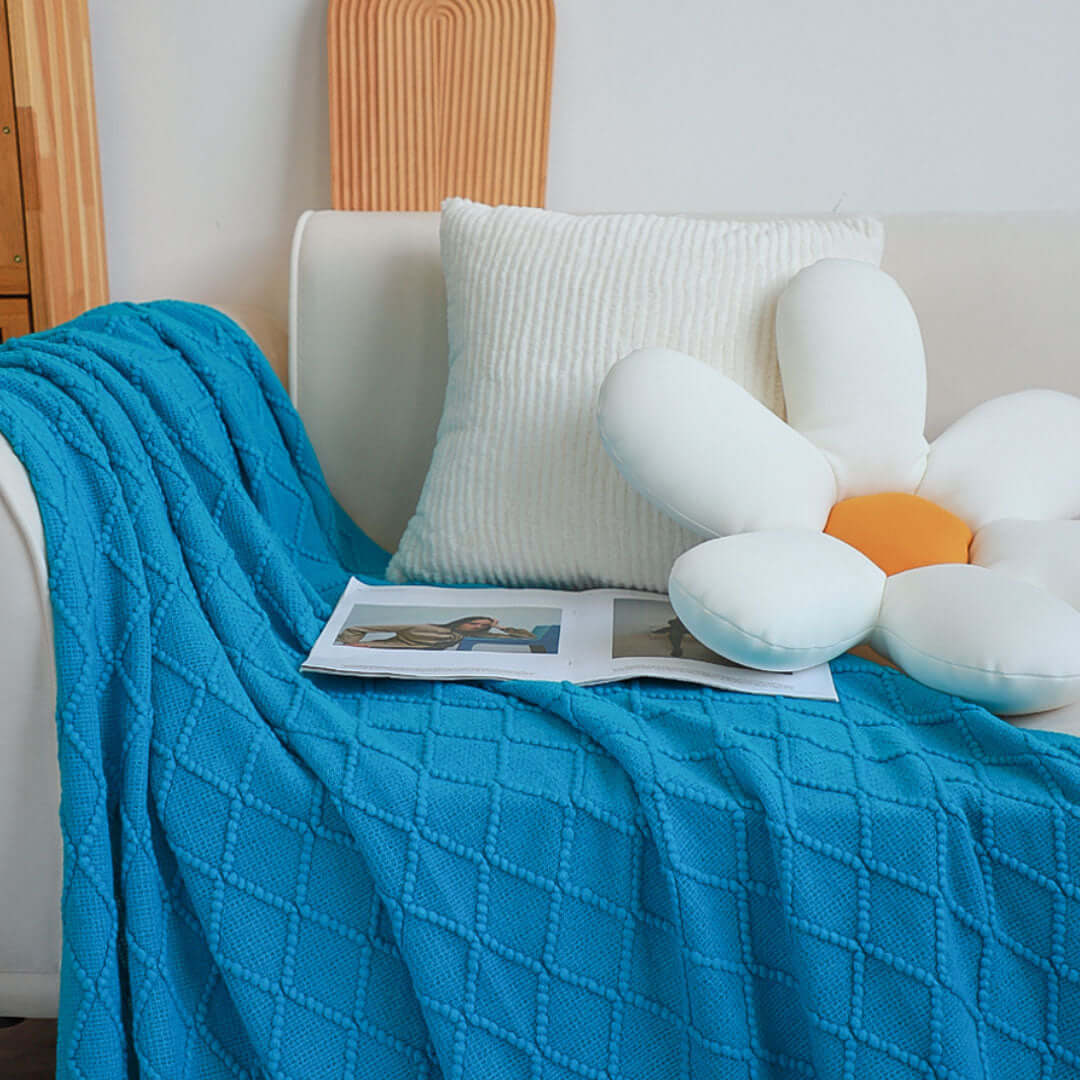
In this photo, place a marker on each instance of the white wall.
(213, 125)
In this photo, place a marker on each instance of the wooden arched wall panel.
(433, 98)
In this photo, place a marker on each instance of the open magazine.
(602, 635)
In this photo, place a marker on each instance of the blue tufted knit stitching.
(267, 874)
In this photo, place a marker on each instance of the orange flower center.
(900, 532)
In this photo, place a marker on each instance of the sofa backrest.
(367, 344)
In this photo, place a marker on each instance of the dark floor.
(28, 1050)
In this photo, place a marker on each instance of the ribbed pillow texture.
(540, 305)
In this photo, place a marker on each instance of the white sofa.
(367, 368)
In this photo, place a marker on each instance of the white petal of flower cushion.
(1002, 642)
(1046, 553)
(854, 373)
(780, 601)
(707, 453)
(1016, 456)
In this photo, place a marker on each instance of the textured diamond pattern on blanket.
(271, 875)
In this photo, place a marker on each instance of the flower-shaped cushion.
(957, 560)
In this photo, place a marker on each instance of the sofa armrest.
(266, 331)
(30, 851)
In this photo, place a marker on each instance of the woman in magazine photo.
(431, 636)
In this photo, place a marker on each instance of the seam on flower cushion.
(851, 640)
(880, 604)
(925, 467)
(971, 667)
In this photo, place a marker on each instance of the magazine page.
(413, 631)
(644, 637)
(602, 635)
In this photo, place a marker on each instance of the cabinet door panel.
(13, 275)
(14, 317)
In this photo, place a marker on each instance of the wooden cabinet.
(14, 280)
(52, 236)
(14, 317)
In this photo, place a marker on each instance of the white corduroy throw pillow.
(540, 305)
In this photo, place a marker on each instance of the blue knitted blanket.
(267, 874)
